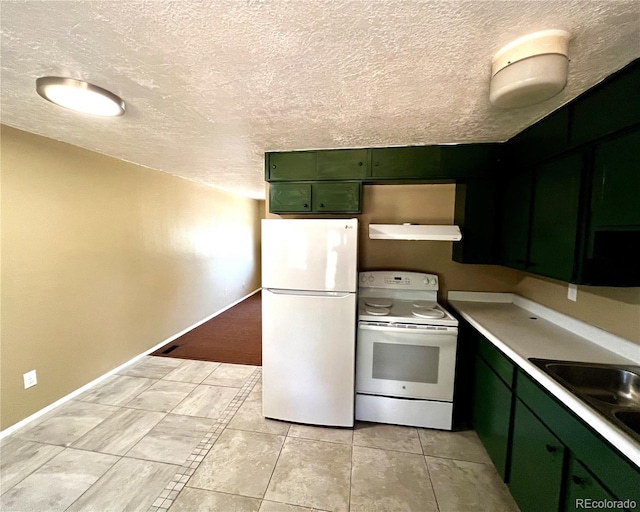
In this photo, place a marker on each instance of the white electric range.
(405, 351)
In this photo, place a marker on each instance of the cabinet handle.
(305, 205)
(321, 205)
(376, 164)
(273, 166)
(578, 480)
(551, 449)
(360, 164)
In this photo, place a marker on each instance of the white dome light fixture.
(530, 69)
(80, 96)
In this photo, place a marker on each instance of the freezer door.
(308, 357)
(310, 254)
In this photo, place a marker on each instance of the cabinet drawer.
(616, 472)
(496, 360)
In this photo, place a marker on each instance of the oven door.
(414, 361)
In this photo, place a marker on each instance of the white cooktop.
(401, 297)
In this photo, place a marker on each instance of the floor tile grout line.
(433, 489)
(188, 468)
(120, 457)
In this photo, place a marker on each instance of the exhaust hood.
(414, 232)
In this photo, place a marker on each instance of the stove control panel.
(392, 279)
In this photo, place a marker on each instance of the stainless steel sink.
(613, 390)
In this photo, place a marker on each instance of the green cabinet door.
(582, 487)
(476, 212)
(554, 218)
(515, 218)
(289, 197)
(492, 414)
(340, 164)
(337, 197)
(416, 162)
(544, 139)
(612, 106)
(292, 165)
(537, 457)
(616, 183)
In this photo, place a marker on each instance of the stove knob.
(425, 281)
(363, 279)
(433, 280)
(371, 279)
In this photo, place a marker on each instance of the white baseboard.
(9, 430)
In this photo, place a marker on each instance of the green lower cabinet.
(492, 414)
(289, 197)
(537, 458)
(583, 489)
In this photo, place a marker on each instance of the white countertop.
(522, 329)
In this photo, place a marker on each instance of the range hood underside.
(414, 232)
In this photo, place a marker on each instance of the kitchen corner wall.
(616, 310)
(103, 259)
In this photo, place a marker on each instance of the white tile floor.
(186, 436)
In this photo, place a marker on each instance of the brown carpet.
(234, 336)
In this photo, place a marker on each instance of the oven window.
(408, 363)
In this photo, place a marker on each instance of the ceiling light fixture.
(79, 96)
(530, 69)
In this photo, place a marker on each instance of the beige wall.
(616, 310)
(102, 260)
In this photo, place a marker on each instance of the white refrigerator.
(309, 283)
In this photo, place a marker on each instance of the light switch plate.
(572, 293)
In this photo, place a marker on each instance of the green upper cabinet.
(315, 197)
(476, 212)
(342, 164)
(554, 218)
(448, 162)
(291, 166)
(334, 164)
(540, 141)
(614, 224)
(616, 183)
(414, 162)
(336, 197)
(515, 218)
(290, 197)
(612, 106)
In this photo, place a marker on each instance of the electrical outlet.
(30, 379)
(572, 293)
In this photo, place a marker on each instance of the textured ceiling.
(211, 86)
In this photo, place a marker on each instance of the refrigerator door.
(310, 254)
(308, 357)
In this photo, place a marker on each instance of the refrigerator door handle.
(308, 293)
